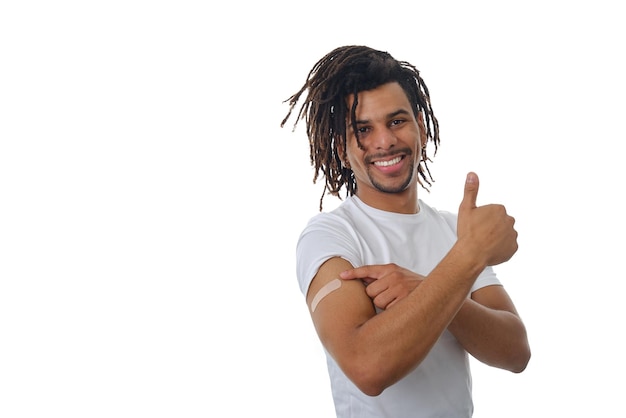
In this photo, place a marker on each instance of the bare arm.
(376, 351)
(489, 327)
(487, 324)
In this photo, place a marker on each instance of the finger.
(383, 301)
(375, 287)
(470, 193)
(364, 272)
(390, 304)
(368, 280)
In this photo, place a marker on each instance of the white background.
(150, 203)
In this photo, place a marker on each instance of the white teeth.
(388, 163)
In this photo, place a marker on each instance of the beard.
(395, 187)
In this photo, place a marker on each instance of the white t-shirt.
(441, 385)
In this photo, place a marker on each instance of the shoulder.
(338, 219)
(326, 235)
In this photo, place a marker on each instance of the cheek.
(351, 152)
(354, 155)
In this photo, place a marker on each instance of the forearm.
(495, 337)
(394, 342)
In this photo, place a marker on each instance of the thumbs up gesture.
(486, 230)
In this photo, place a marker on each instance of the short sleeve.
(325, 236)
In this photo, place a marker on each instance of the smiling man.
(399, 293)
(381, 151)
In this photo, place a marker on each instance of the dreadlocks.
(346, 71)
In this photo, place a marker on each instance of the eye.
(397, 122)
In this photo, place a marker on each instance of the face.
(391, 138)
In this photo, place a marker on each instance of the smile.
(388, 163)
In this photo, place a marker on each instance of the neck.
(404, 202)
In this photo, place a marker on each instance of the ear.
(342, 152)
(422, 128)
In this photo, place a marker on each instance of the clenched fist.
(488, 231)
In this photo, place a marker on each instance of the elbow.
(373, 372)
(514, 360)
(372, 381)
(525, 362)
(518, 354)
(521, 360)
(370, 387)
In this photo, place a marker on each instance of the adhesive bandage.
(324, 291)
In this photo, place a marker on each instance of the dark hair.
(345, 71)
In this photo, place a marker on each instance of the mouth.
(387, 163)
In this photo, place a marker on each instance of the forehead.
(380, 100)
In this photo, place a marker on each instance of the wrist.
(468, 255)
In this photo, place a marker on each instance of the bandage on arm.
(325, 291)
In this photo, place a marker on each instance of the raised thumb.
(470, 193)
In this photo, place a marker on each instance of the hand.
(488, 229)
(385, 284)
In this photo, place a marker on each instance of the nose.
(384, 139)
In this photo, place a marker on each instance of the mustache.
(382, 155)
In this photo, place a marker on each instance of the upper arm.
(495, 297)
(339, 314)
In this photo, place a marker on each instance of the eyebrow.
(389, 116)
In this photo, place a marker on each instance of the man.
(399, 293)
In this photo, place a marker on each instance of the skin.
(377, 350)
